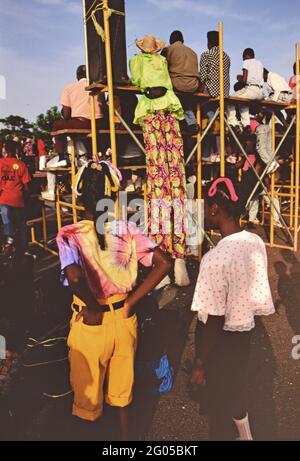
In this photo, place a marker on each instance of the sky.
(42, 44)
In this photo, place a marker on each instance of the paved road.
(274, 377)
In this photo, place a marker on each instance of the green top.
(148, 71)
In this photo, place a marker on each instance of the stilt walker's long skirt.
(166, 182)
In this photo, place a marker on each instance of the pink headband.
(214, 189)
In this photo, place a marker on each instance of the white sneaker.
(231, 159)
(48, 196)
(181, 273)
(59, 164)
(273, 167)
(42, 162)
(165, 282)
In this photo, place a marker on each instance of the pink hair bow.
(214, 188)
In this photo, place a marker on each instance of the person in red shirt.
(41, 148)
(14, 178)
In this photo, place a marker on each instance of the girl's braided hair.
(96, 183)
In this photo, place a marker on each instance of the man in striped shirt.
(210, 67)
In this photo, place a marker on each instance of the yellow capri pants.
(102, 363)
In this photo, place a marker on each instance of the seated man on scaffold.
(76, 112)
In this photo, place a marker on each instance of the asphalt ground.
(27, 413)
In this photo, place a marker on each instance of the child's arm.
(245, 76)
(240, 164)
(160, 267)
(92, 314)
(205, 339)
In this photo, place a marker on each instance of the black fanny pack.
(155, 92)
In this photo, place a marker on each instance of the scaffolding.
(288, 192)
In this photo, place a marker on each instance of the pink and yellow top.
(110, 271)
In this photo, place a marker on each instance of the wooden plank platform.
(262, 102)
(203, 96)
(59, 170)
(135, 89)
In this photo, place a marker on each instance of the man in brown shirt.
(184, 73)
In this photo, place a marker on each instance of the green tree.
(43, 125)
(16, 126)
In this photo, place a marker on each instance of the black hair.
(81, 72)
(266, 71)
(223, 199)
(11, 147)
(213, 38)
(249, 52)
(176, 36)
(92, 189)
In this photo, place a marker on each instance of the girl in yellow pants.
(99, 262)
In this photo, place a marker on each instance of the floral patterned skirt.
(166, 182)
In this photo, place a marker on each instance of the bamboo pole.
(296, 221)
(222, 102)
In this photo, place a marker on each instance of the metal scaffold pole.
(272, 208)
(297, 159)
(110, 84)
(92, 97)
(222, 102)
(94, 129)
(199, 177)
